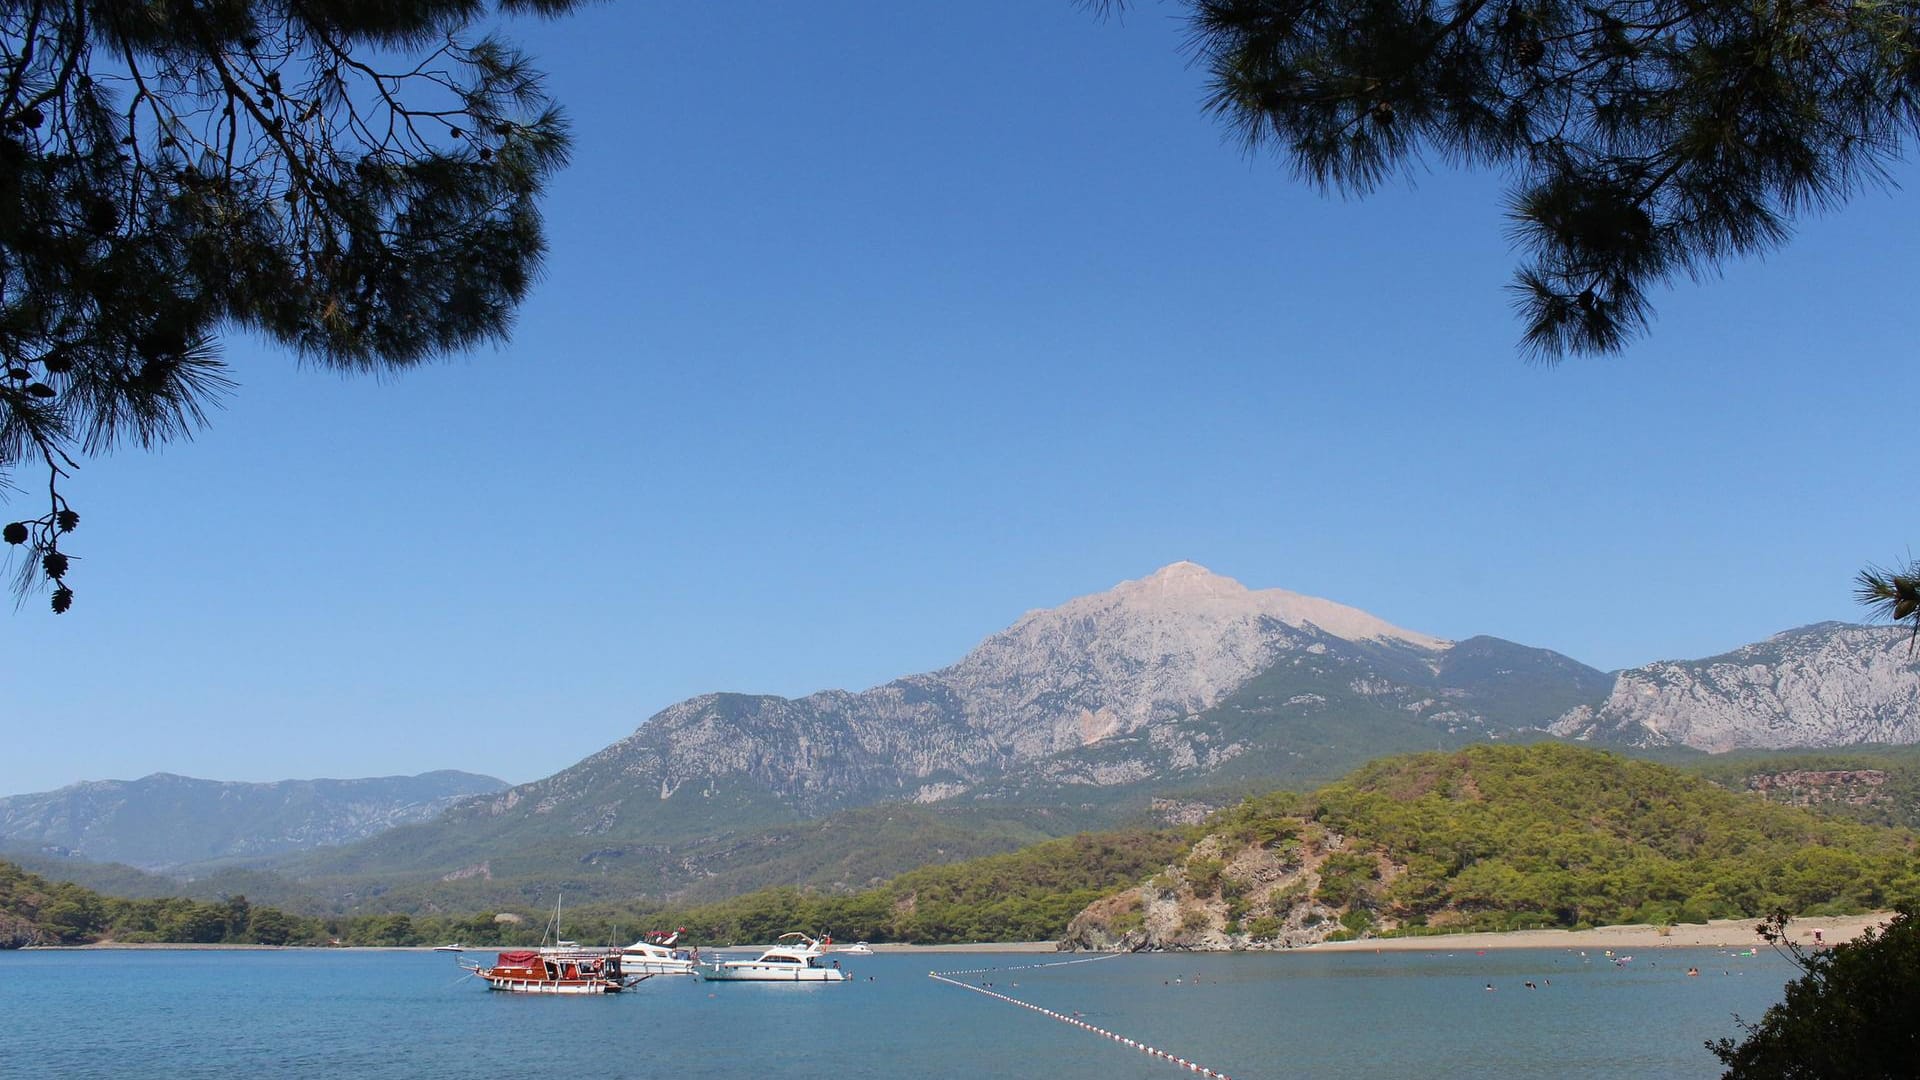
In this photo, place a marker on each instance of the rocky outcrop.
(1226, 896)
(1814, 787)
(1829, 684)
(18, 933)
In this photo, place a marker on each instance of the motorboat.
(858, 948)
(655, 955)
(794, 958)
(456, 947)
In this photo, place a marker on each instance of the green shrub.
(1263, 928)
(1203, 875)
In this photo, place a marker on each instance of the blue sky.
(866, 329)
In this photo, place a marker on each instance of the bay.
(371, 1014)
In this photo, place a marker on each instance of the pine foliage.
(1647, 140)
(359, 182)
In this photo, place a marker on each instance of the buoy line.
(1031, 967)
(1150, 1051)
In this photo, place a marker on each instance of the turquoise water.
(166, 1013)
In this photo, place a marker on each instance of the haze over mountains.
(1183, 683)
(165, 822)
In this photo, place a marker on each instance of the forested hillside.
(1497, 837)
(1028, 894)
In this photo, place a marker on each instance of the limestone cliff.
(1829, 684)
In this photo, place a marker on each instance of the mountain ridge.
(1182, 684)
(166, 821)
(1821, 685)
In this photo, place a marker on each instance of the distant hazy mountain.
(1830, 684)
(163, 821)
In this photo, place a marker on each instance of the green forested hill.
(1027, 894)
(35, 911)
(1495, 837)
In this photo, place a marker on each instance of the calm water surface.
(404, 1015)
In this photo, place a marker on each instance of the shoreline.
(1718, 934)
(879, 947)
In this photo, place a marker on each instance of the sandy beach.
(989, 946)
(1720, 933)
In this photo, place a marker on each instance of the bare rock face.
(18, 933)
(1829, 684)
(1164, 646)
(1223, 897)
(1813, 787)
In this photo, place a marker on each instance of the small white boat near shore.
(801, 961)
(655, 955)
(858, 948)
(450, 948)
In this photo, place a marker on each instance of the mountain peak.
(1185, 579)
(1193, 589)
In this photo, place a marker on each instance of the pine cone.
(15, 532)
(62, 600)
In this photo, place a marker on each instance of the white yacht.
(858, 948)
(799, 961)
(654, 955)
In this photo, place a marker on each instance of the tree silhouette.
(1648, 140)
(1849, 1014)
(358, 181)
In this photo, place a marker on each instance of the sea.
(372, 1015)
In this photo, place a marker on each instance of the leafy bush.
(1203, 875)
(1263, 928)
(1849, 1014)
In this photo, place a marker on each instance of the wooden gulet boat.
(564, 968)
(555, 971)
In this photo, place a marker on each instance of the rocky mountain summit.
(1166, 646)
(164, 822)
(1120, 688)
(1829, 684)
